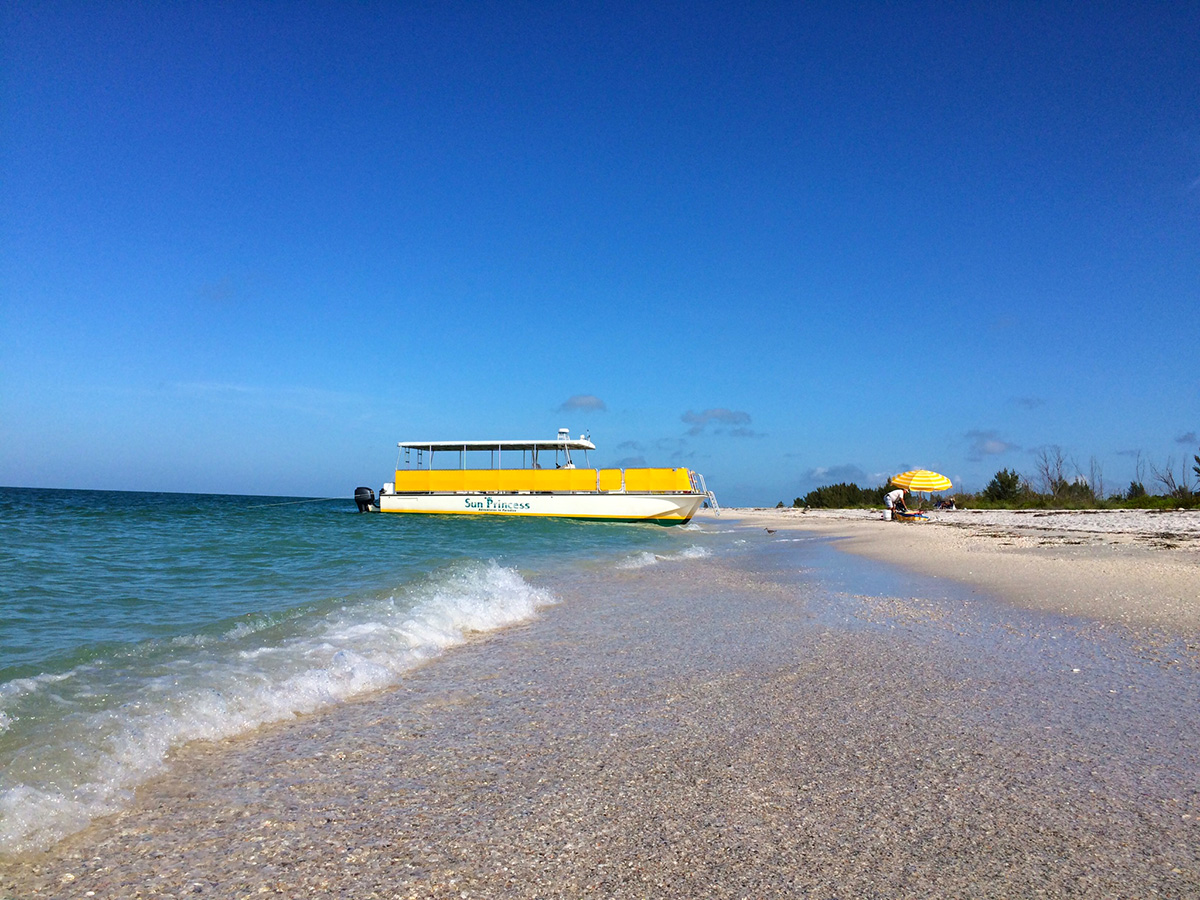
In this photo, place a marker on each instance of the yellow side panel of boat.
(610, 479)
(495, 480)
(657, 480)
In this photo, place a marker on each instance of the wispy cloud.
(215, 388)
(987, 443)
(218, 293)
(1189, 438)
(1004, 324)
(583, 403)
(675, 447)
(841, 473)
(846, 472)
(1028, 402)
(296, 398)
(636, 446)
(719, 418)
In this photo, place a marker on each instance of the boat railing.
(702, 488)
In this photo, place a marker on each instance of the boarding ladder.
(700, 487)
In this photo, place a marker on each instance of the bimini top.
(563, 441)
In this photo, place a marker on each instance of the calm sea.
(131, 623)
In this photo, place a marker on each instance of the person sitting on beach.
(894, 500)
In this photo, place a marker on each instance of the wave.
(646, 558)
(77, 744)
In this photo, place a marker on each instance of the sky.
(247, 248)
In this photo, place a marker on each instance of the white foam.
(87, 762)
(646, 558)
(19, 687)
(638, 560)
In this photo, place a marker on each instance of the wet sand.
(752, 726)
(1136, 567)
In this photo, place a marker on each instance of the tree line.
(1057, 482)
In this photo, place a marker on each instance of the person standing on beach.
(894, 500)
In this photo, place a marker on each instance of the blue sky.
(248, 247)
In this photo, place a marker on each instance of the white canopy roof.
(542, 444)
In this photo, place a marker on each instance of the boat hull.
(663, 509)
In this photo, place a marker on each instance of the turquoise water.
(131, 623)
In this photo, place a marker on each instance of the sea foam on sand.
(87, 761)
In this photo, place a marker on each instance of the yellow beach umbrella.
(921, 480)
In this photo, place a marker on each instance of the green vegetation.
(1005, 487)
(1057, 483)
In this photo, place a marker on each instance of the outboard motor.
(365, 498)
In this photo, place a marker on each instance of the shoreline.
(1130, 567)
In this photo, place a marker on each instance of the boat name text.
(490, 503)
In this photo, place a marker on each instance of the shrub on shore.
(1010, 490)
(1072, 494)
(842, 495)
(1004, 487)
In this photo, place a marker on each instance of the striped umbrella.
(921, 480)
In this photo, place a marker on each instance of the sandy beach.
(1014, 713)
(1137, 567)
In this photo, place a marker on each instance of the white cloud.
(583, 403)
(987, 443)
(1028, 402)
(847, 473)
(721, 417)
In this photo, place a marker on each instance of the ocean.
(132, 623)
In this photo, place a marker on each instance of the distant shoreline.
(1135, 567)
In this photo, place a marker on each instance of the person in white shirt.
(894, 500)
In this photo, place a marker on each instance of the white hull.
(667, 509)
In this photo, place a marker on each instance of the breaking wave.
(646, 558)
(92, 734)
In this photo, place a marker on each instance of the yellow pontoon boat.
(533, 478)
